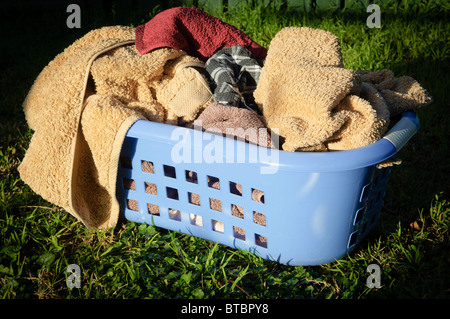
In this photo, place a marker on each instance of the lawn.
(410, 243)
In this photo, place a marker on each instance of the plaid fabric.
(233, 74)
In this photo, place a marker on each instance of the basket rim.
(365, 156)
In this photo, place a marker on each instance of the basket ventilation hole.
(365, 192)
(239, 233)
(174, 214)
(191, 177)
(261, 240)
(215, 204)
(194, 198)
(213, 182)
(235, 188)
(125, 162)
(352, 239)
(147, 167)
(196, 220)
(150, 188)
(217, 226)
(237, 211)
(169, 171)
(172, 193)
(359, 215)
(257, 195)
(259, 218)
(132, 204)
(153, 209)
(129, 184)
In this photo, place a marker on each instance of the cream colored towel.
(58, 164)
(401, 94)
(80, 118)
(307, 94)
(317, 104)
(166, 81)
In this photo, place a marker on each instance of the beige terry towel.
(58, 154)
(305, 92)
(401, 94)
(80, 117)
(165, 80)
(317, 104)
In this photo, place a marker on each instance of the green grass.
(39, 240)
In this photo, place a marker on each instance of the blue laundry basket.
(302, 208)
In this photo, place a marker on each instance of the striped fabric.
(233, 74)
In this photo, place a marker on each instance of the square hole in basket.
(239, 233)
(261, 240)
(153, 209)
(259, 218)
(237, 211)
(365, 192)
(174, 214)
(191, 177)
(217, 226)
(194, 198)
(213, 182)
(129, 183)
(352, 239)
(125, 162)
(257, 195)
(235, 188)
(196, 220)
(150, 188)
(169, 171)
(215, 204)
(358, 216)
(172, 193)
(147, 167)
(132, 204)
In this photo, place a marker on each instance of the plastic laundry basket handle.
(403, 130)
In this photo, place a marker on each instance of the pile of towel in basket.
(185, 65)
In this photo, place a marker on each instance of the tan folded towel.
(367, 120)
(304, 91)
(400, 94)
(83, 103)
(58, 161)
(317, 104)
(164, 80)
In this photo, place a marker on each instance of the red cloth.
(193, 31)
